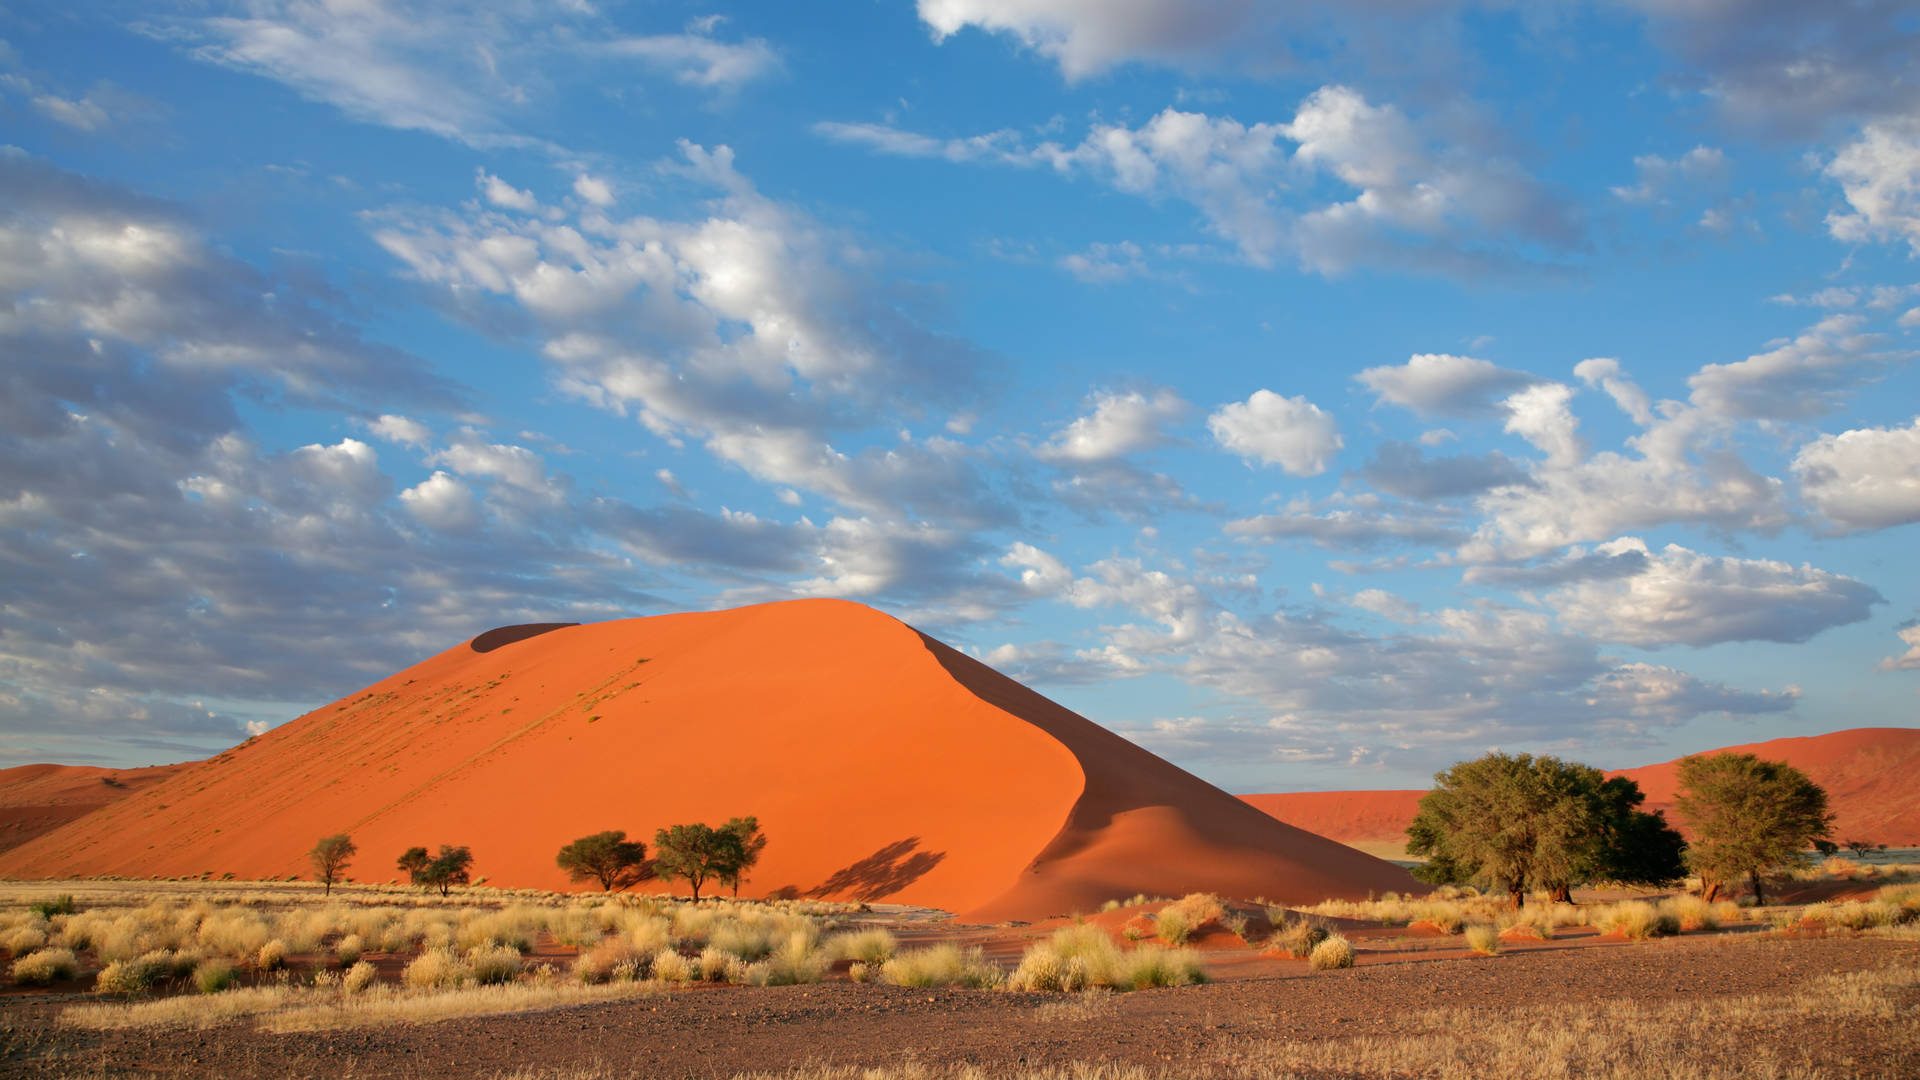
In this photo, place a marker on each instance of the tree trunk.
(1759, 897)
(1709, 890)
(1562, 894)
(1518, 895)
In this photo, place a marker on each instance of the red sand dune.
(1868, 773)
(36, 799)
(881, 764)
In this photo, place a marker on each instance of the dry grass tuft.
(44, 966)
(1483, 938)
(1334, 952)
(941, 965)
(1083, 957)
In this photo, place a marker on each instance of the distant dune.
(1869, 773)
(36, 799)
(881, 764)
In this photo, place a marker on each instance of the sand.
(36, 799)
(1867, 773)
(881, 764)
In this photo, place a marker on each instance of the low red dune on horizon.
(36, 799)
(882, 765)
(1867, 773)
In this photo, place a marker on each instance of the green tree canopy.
(607, 857)
(330, 858)
(696, 853)
(453, 866)
(1514, 821)
(751, 841)
(1747, 816)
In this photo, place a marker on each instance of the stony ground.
(724, 1031)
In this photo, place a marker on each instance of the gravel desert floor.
(1712, 1006)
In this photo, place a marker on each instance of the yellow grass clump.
(941, 965)
(1335, 952)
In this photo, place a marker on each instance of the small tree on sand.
(412, 861)
(746, 832)
(330, 858)
(607, 857)
(695, 853)
(1747, 816)
(453, 866)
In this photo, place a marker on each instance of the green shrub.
(213, 976)
(59, 905)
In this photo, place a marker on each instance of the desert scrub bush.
(346, 951)
(941, 965)
(613, 960)
(1334, 952)
(875, 946)
(1483, 938)
(213, 976)
(1200, 910)
(234, 932)
(1692, 912)
(1635, 919)
(44, 966)
(670, 966)
(798, 960)
(715, 963)
(1297, 938)
(272, 956)
(435, 969)
(1147, 967)
(358, 977)
(1171, 926)
(21, 940)
(59, 905)
(490, 964)
(138, 975)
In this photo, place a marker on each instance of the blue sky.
(1317, 394)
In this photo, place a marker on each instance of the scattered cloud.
(1440, 384)
(1868, 478)
(1686, 598)
(1269, 429)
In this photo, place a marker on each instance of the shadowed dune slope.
(1867, 773)
(880, 765)
(36, 799)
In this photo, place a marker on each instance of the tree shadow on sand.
(882, 873)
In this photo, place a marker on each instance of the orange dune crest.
(880, 763)
(1867, 774)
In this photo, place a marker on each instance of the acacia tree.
(607, 857)
(453, 866)
(751, 841)
(330, 858)
(695, 853)
(1747, 815)
(1513, 822)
